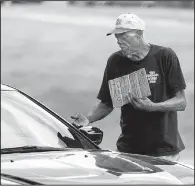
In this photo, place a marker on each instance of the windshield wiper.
(26, 149)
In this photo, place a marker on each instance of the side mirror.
(93, 133)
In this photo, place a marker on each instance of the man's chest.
(154, 72)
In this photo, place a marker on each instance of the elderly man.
(149, 126)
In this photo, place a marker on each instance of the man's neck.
(141, 53)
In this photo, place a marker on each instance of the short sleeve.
(174, 76)
(104, 92)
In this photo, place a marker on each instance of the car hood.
(89, 167)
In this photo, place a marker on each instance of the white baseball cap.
(126, 22)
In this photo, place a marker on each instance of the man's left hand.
(141, 104)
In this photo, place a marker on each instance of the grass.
(61, 61)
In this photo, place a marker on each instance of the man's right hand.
(80, 119)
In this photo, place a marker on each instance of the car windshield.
(25, 124)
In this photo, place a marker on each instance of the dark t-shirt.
(150, 133)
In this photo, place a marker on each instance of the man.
(149, 126)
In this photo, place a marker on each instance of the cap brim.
(118, 31)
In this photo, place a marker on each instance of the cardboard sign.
(136, 83)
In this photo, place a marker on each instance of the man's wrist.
(152, 107)
(156, 107)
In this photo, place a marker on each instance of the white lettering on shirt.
(152, 77)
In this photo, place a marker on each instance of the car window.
(24, 123)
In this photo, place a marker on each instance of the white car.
(40, 147)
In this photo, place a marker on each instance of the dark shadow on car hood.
(81, 167)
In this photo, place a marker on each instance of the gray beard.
(134, 57)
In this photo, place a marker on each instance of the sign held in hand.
(136, 83)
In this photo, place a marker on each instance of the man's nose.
(119, 42)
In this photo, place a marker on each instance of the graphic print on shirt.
(152, 77)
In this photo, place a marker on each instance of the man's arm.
(100, 111)
(177, 103)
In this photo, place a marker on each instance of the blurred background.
(56, 52)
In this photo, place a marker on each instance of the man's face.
(128, 42)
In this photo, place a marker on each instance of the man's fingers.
(77, 116)
(74, 117)
(129, 97)
(136, 99)
(134, 103)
